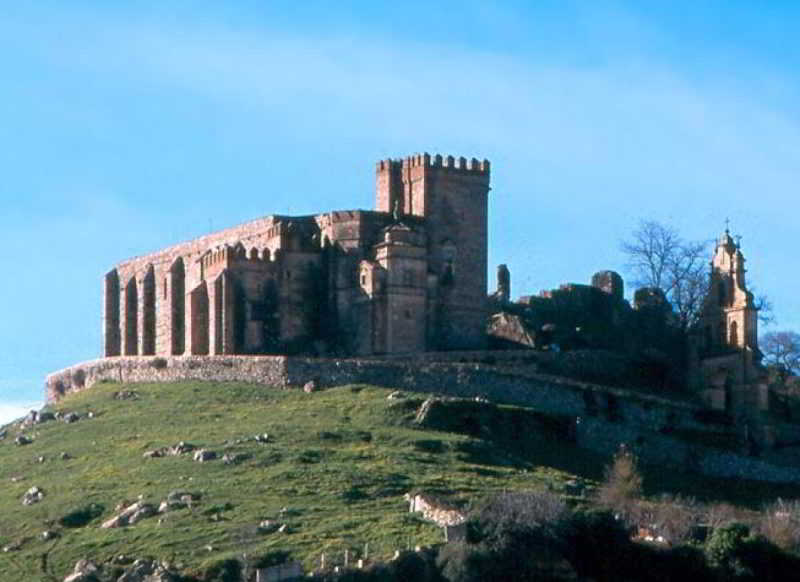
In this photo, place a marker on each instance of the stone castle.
(408, 277)
(398, 297)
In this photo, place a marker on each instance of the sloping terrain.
(333, 469)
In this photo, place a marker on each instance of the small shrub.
(310, 457)
(780, 524)
(82, 516)
(272, 558)
(229, 570)
(676, 518)
(622, 486)
(724, 547)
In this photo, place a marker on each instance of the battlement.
(425, 160)
(226, 255)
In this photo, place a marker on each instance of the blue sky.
(131, 126)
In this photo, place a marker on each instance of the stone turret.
(503, 293)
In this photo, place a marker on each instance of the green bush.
(229, 570)
(724, 549)
(82, 516)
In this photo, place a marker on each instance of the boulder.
(181, 448)
(126, 395)
(83, 571)
(267, 526)
(32, 495)
(261, 438)
(204, 455)
(310, 386)
(130, 515)
(234, 458)
(177, 500)
(148, 571)
(13, 547)
(45, 416)
(30, 418)
(145, 510)
(22, 440)
(71, 417)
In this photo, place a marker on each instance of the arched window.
(734, 334)
(722, 293)
(448, 253)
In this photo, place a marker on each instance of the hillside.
(333, 470)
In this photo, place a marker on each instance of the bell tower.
(730, 317)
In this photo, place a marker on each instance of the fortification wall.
(603, 417)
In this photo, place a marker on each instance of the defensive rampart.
(602, 417)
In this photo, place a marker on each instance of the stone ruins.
(408, 277)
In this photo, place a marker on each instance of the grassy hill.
(334, 470)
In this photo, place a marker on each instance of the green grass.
(338, 461)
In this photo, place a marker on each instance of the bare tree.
(766, 314)
(659, 257)
(782, 349)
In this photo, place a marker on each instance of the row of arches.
(131, 320)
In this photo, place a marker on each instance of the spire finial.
(738, 238)
(727, 225)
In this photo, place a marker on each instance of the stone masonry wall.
(604, 417)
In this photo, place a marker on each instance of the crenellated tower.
(451, 194)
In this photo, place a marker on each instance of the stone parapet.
(603, 417)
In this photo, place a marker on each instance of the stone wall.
(603, 417)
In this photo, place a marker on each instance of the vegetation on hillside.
(329, 476)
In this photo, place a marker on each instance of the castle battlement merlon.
(425, 160)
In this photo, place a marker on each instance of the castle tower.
(452, 196)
